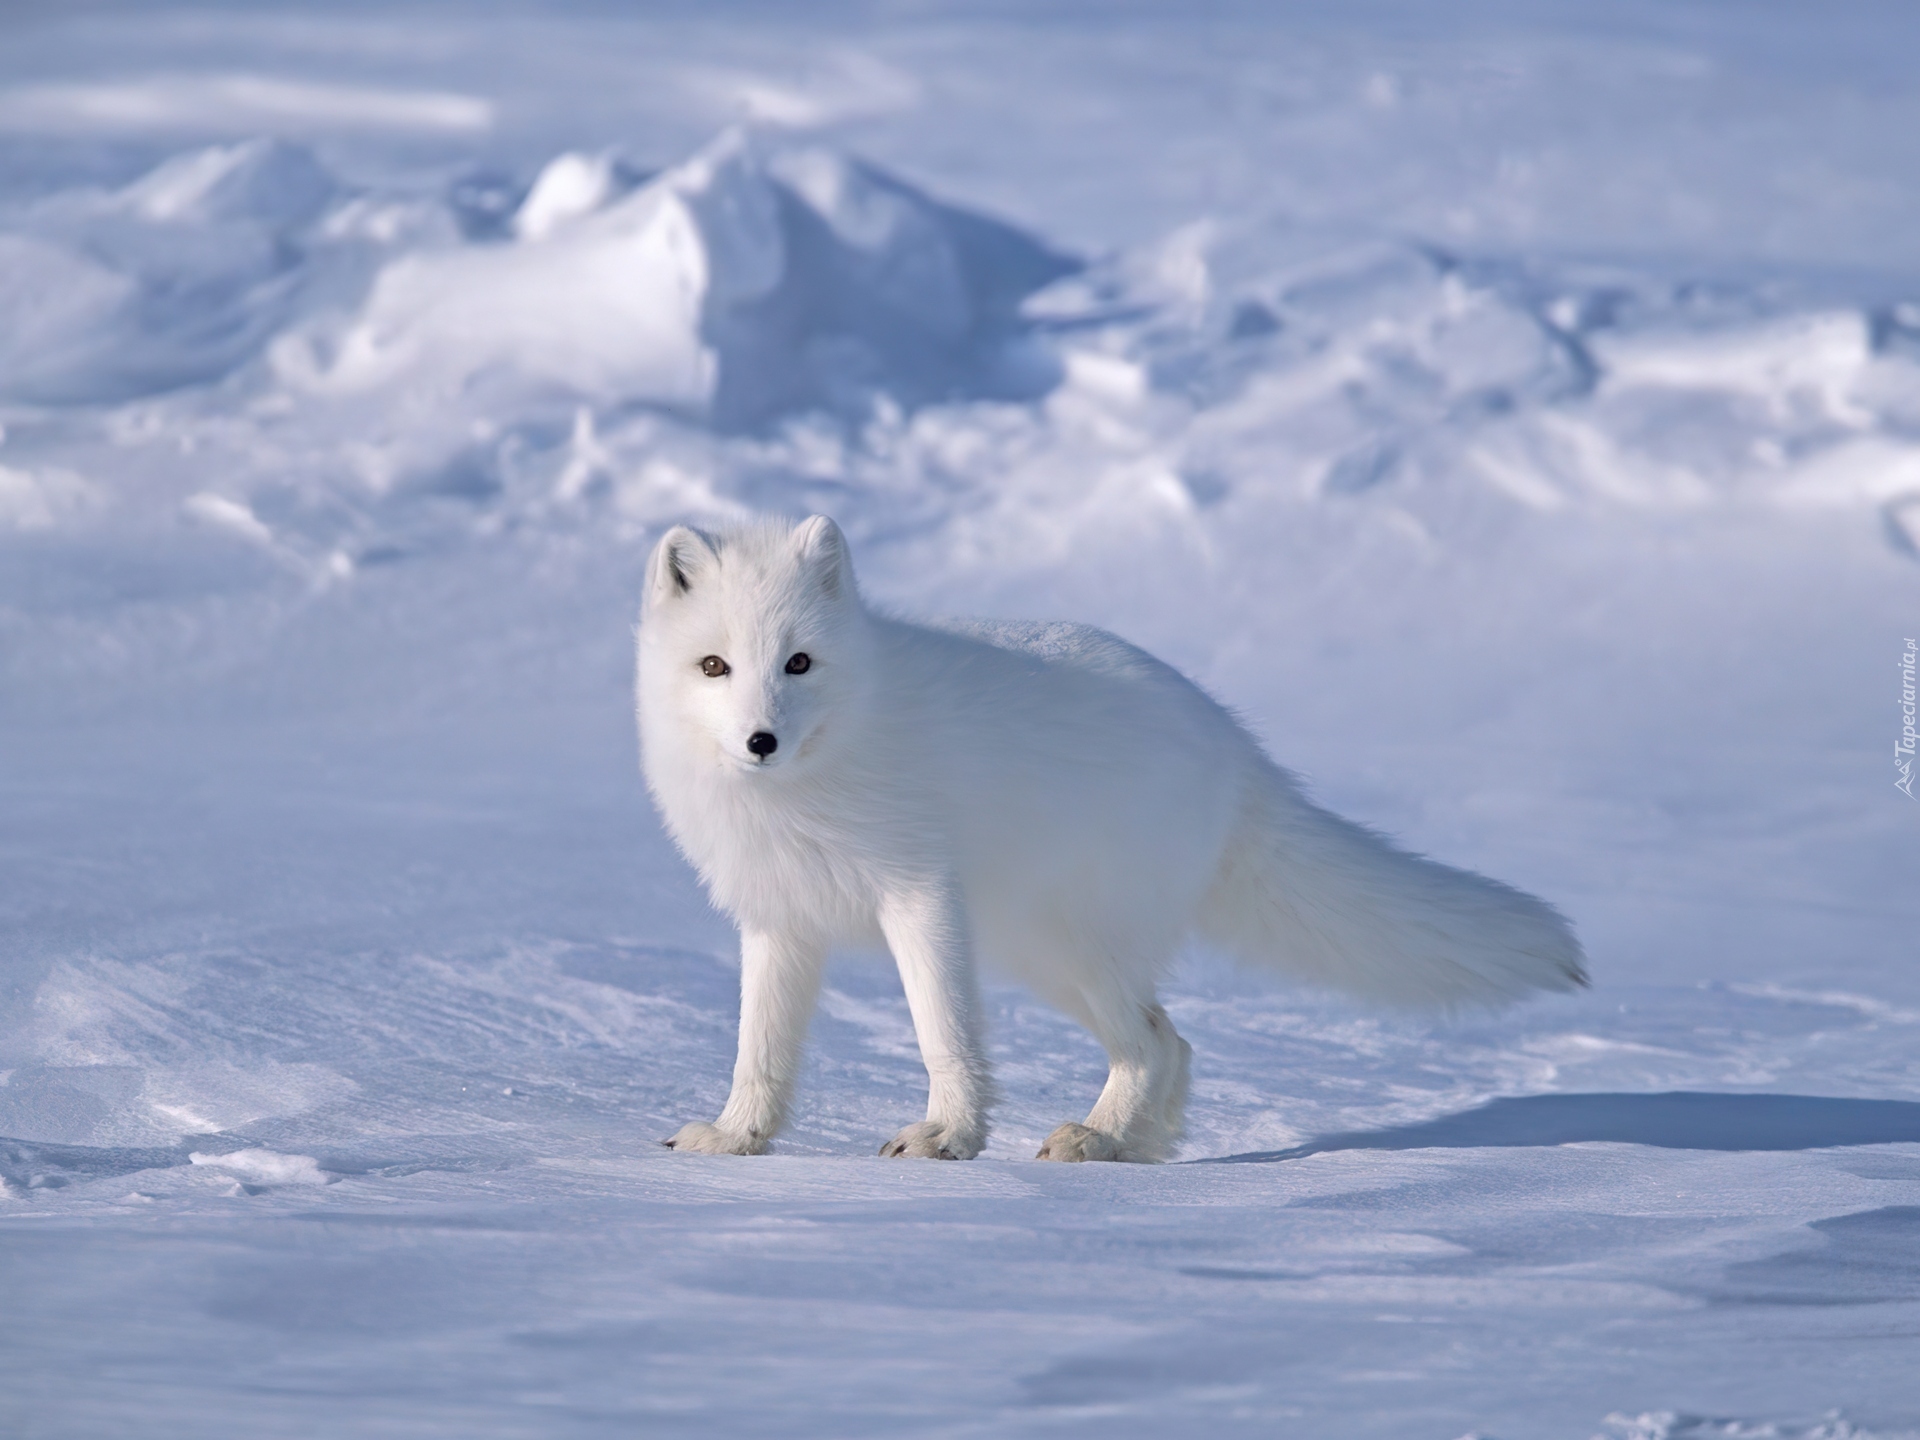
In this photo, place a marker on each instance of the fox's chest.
(777, 861)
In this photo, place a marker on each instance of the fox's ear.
(678, 563)
(823, 551)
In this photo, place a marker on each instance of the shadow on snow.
(1677, 1120)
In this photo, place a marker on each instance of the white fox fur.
(1046, 798)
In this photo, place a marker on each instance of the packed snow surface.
(1514, 413)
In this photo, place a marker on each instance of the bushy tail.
(1329, 902)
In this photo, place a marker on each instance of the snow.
(749, 281)
(1514, 414)
(265, 1167)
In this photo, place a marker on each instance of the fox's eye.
(798, 663)
(713, 667)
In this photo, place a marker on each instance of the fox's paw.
(931, 1141)
(1072, 1141)
(700, 1138)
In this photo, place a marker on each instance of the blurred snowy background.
(1512, 409)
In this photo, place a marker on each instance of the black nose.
(763, 743)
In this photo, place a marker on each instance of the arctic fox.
(1044, 798)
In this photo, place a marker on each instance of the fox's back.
(1080, 781)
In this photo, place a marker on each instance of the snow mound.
(754, 279)
(267, 182)
(267, 1167)
(174, 280)
(775, 325)
(1448, 392)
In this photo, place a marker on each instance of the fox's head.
(751, 641)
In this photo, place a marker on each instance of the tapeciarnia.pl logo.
(1903, 747)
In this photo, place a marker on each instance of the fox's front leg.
(927, 931)
(779, 985)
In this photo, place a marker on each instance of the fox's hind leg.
(1139, 1114)
(1173, 1108)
